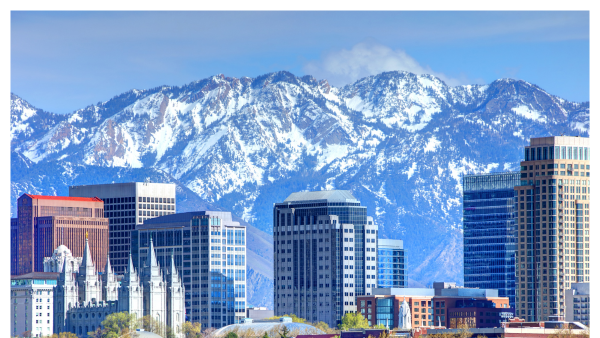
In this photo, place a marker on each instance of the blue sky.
(63, 61)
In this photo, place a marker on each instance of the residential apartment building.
(392, 262)
(209, 249)
(443, 305)
(578, 303)
(553, 225)
(45, 222)
(128, 204)
(489, 232)
(31, 304)
(325, 249)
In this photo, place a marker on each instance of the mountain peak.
(399, 141)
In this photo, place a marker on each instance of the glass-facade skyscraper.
(392, 262)
(325, 249)
(209, 249)
(489, 232)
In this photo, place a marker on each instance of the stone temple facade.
(61, 255)
(83, 298)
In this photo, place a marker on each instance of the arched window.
(80, 330)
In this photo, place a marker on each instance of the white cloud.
(344, 66)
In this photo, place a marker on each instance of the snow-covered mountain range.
(399, 141)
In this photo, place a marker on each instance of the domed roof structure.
(62, 251)
(258, 328)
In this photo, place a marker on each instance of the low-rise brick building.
(443, 305)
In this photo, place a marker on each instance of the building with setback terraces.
(325, 249)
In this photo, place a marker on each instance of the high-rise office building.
(489, 232)
(392, 262)
(45, 222)
(325, 249)
(128, 204)
(553, 225)
(210, 251)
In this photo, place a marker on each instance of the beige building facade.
(553, 225)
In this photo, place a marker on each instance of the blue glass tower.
(392, 260)
(489, 232)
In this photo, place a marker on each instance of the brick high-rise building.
(45, 222)
(553, 224)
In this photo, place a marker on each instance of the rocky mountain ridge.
(399, 141)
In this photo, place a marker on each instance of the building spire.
(173, 270)
(87, 255)
(151, 260)
(107, 268)
(130, 268)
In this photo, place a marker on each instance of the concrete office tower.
(45, 222)
(209, 250)
(578, 303)
(489, 232)
(128, 204)
(31, 304)
(392, 262)
(325, 249)
(553, 225)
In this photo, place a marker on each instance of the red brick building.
(45, 222)
(445, 305)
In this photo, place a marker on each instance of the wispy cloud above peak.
(341, 67)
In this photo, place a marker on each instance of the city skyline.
(419, 169)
